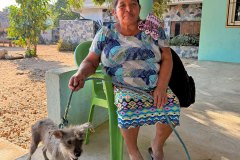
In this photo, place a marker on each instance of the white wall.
(93, 14)
(47, 36)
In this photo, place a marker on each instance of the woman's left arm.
(166, 64)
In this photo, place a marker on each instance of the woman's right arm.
(88, 67)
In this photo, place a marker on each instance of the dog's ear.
(58, 134)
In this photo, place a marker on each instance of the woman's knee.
(163, 130)
(130, 137)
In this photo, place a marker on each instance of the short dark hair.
(115, 2)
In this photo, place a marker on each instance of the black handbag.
(182, 85)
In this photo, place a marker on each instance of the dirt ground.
(23, 90)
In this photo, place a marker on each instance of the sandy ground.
(23, 91)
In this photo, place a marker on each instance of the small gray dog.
(62, 144)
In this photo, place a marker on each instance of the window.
(233, 15)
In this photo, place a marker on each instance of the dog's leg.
(34, 144)
(55, 154)
(29, 157)
(45, 153)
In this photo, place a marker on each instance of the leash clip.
(63, 124)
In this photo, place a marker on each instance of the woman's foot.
(163, 131)
(156, 155)
(150, 153)
(136, 156)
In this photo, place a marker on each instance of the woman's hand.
(76, 82)
(160, 96)
(160, 93)
(87, 68)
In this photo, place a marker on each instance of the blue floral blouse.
(129, 60)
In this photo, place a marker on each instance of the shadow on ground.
(36, 68)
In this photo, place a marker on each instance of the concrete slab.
(10, 151)
(210, 128)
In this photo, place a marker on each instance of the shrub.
(66, 46)
(30, 53)
(185, 40)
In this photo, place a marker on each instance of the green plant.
(66, 46)
(160, 7)
(26, 23)
(30, 53)
(98, 2)
(61, 10)
(78, 4)
(185, 40)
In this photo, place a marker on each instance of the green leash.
(65, 121)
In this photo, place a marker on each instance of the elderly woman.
(133, 57)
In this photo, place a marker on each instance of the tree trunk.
(28, 44)
(35, 49)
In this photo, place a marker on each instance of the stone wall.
(182, 12)
(46, 37)
(50, 36)
(4, 20)
(186, 51)
(76, 31)
(55, 35)
(4, 24)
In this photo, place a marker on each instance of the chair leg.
(116, 139)
(90, 117)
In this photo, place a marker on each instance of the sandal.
(150, 153)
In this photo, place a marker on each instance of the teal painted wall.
(218, 43)
(146, 7)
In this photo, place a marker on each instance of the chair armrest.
(100, 75)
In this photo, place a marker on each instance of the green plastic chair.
(102, 96)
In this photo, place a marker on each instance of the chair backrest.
(81, 52)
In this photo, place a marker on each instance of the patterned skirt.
(135, 109)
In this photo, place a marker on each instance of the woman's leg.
(163, 131)
(130, 137)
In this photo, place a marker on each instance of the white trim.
(175, 2)
(89, 4)
(231, 22)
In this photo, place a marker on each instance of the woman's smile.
(128, 15)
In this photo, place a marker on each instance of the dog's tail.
(84, 127)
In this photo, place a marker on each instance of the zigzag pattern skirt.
(135, 109)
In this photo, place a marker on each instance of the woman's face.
(127, 12)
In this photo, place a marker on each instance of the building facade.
(218, 41)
